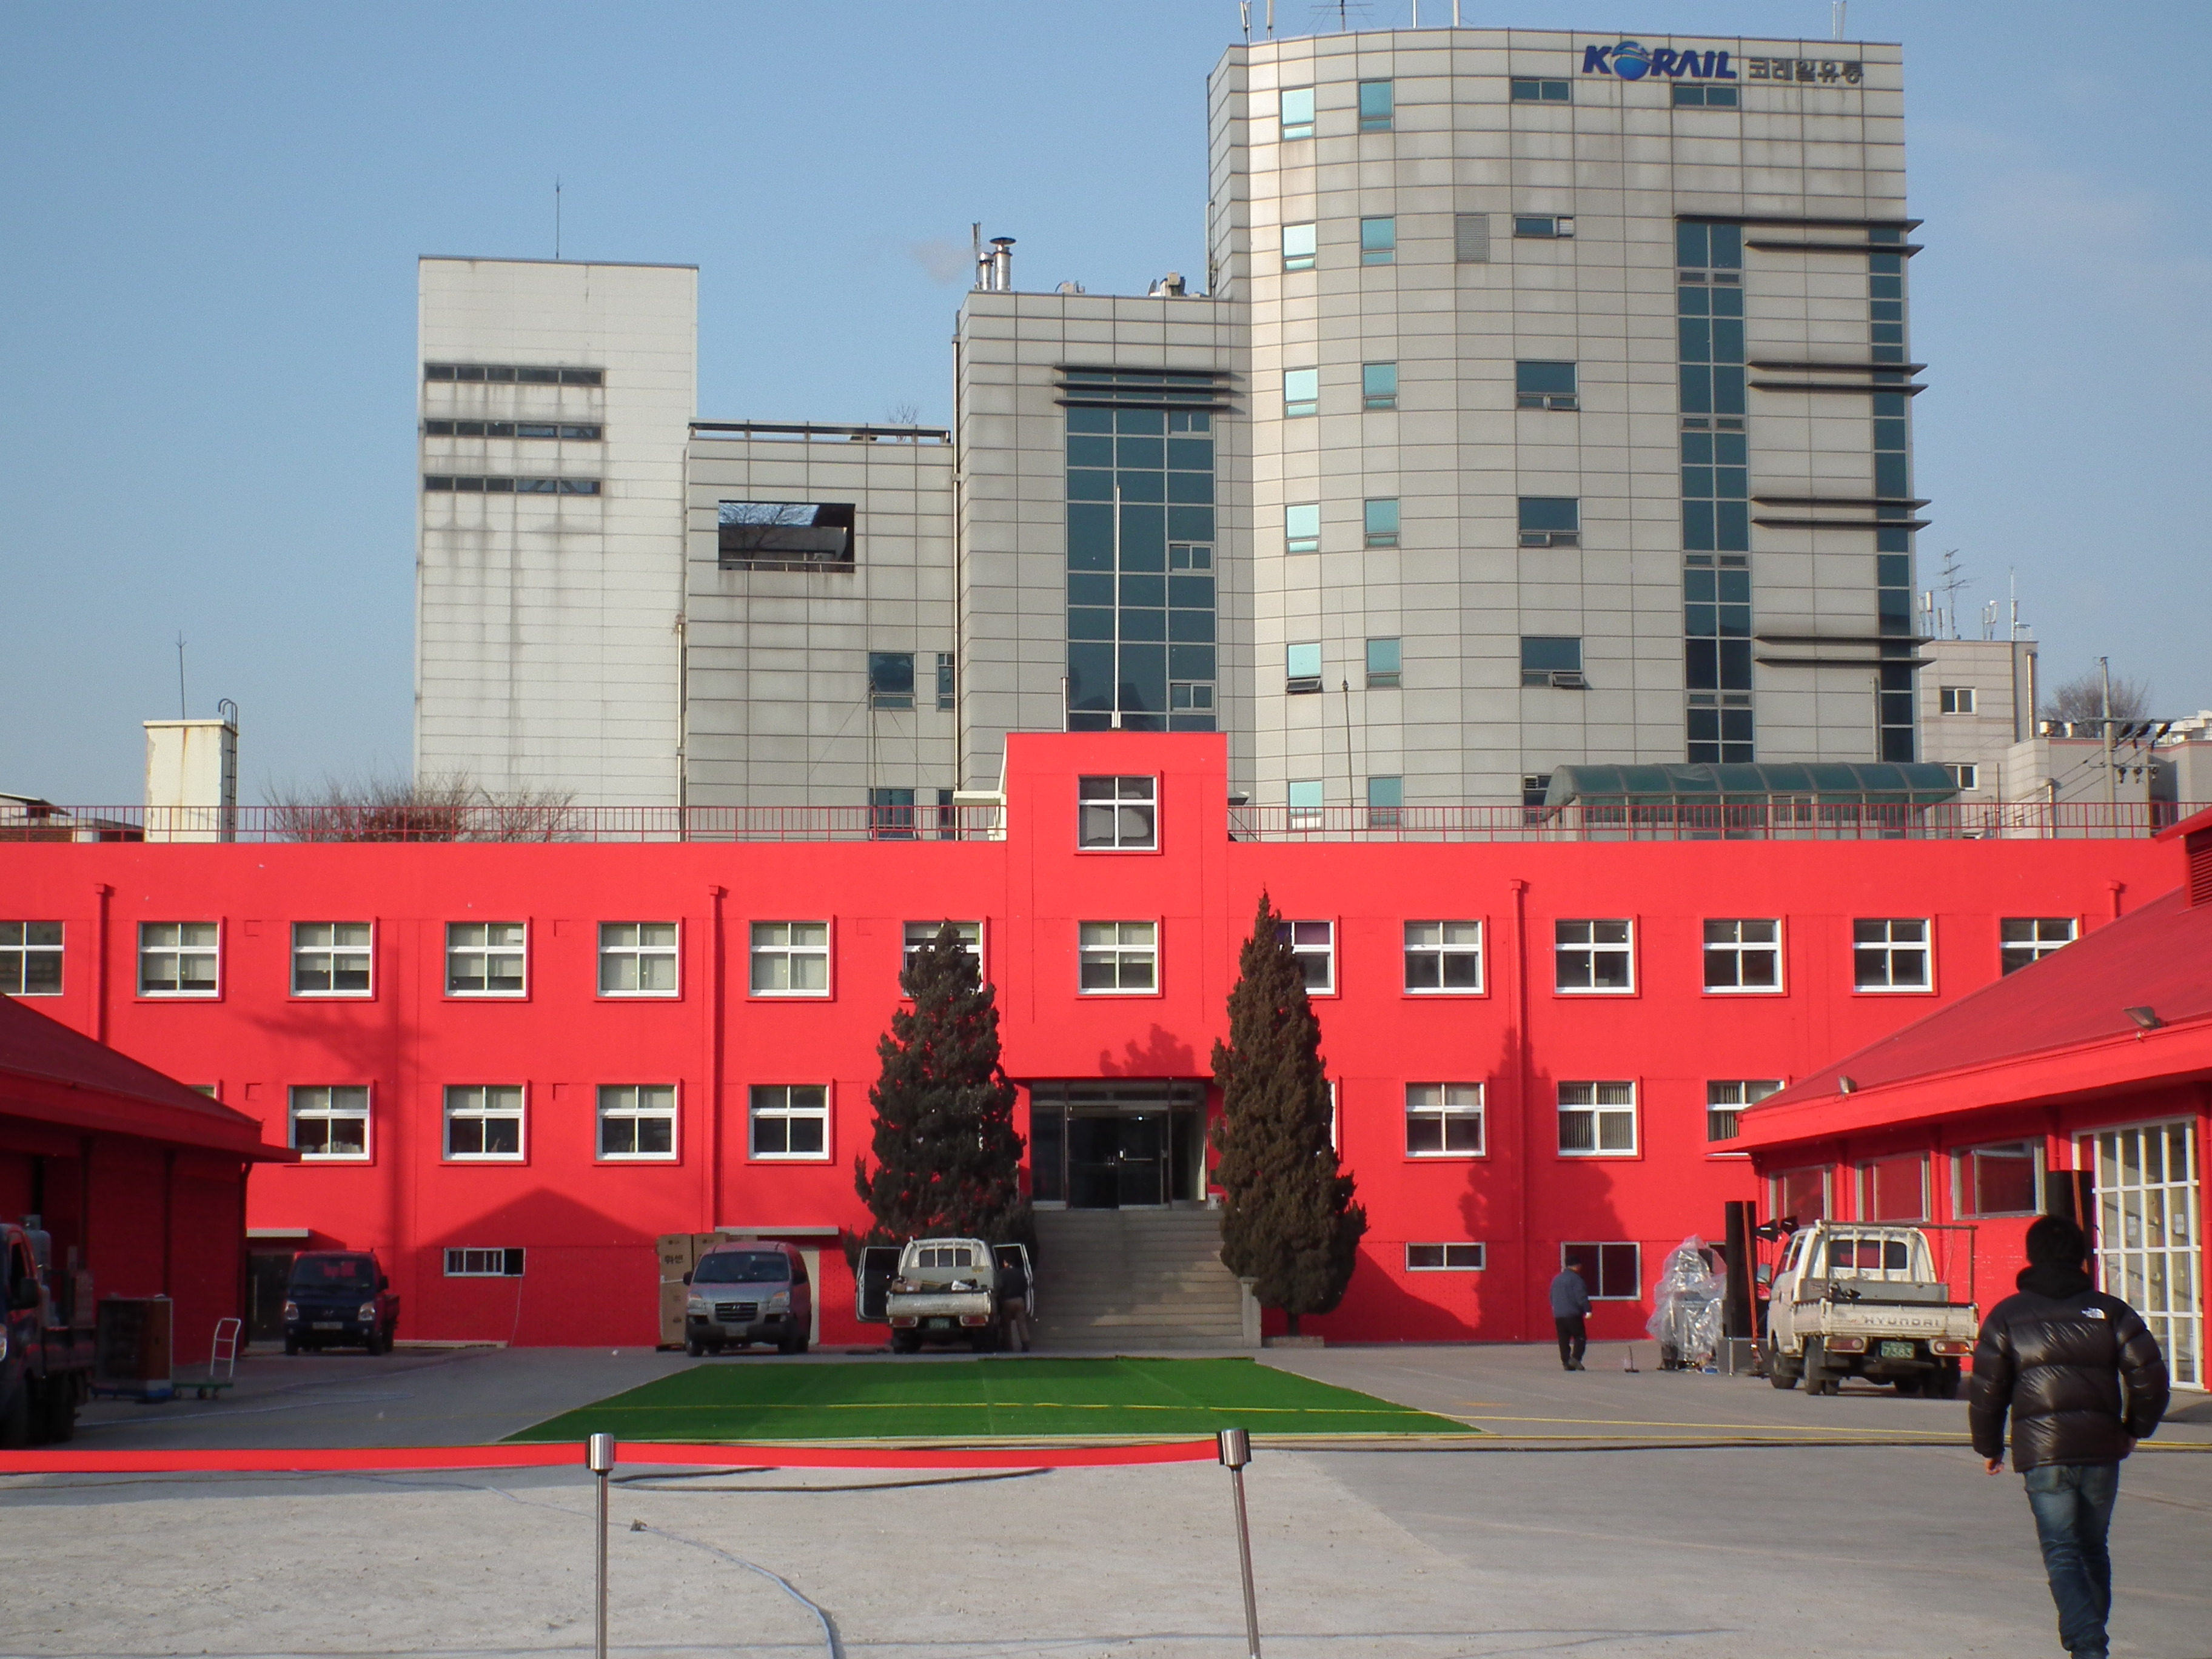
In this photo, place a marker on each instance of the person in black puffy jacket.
(2083, 1380)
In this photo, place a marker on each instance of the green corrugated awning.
(1827, 783)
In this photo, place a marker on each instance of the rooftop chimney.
(191, 778)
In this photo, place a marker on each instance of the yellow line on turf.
(1009, 1405)
(1700, 1428)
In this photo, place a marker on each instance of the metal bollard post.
(599, 1458)
(1236, 1453)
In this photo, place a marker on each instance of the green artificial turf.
(979, 1398)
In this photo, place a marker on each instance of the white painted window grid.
(1597, 1120)
(180, 959)
(30, 959)
(790, 959)
(1890, 953)
(638, 958)
(333, 958)
(330, 1122)
(1743, 954)
(637, 1122)
(487, 959)
(1593, 956)
(484, 1123)
(1118, 958)
(1313, 944)
(1725, 1099)
(1445, 1256)
(1444, 1120)
(1443, 958)
(1117, 813)
(2023, 939)
(790, 1121)
(1955, 699)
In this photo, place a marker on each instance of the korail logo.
(1632, 60)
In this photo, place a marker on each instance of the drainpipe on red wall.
(103, 893)
(2117, 888)
(1521, 1089)
(713, 1113)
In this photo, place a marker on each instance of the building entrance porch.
(1117, 1145)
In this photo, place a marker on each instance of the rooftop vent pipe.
(995, 271)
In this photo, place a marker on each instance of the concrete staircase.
(1134, 1281)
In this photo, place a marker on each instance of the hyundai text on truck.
(1853, 1298)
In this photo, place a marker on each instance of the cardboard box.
(673, 1293)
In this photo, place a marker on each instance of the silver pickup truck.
(1857, 1298)
(949, 1290)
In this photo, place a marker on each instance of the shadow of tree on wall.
(1162, 1055)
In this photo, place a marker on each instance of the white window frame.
(1965, 1206)
(1117, 951)
(485, 1261)
(300, 1105)
(1862, 1190)
(1598, 1111)
(1445, 949)
(1307, 950)
(488, 950)
(609, 1105)
(1473, 1257)
(2036, 944)
(1965, 775)
(456, 1107)
(1446, 1102)
(1738, 949)
(1623, 948)
(366, 951)
(1956, 700)
(764, 951)
(637, 952)
(1743, 1088)
(180, 949)
(1122, 839)
(1889, 944)
(786, 1111)
(23, 950)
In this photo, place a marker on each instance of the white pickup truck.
(957, 1290)
(1855, 1298)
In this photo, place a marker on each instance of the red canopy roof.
(2057, 1028)
(51, 1074)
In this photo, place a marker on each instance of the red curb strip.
(327, 1460)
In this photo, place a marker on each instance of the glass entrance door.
(1117, 1160)
(1111, 1145)
(2147, 1234)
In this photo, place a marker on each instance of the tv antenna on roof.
(556, 217)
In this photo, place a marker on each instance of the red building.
(2083, 1085)
(539, 1055)
(137, 1179)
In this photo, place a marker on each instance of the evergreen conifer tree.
(1288, 1220)
(948, 1161)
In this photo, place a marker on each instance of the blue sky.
(213, 213)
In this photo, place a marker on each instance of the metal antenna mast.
(181, 714)
(557, 215)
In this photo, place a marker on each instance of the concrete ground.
(1613, 1514)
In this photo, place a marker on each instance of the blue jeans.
(2073, 1504)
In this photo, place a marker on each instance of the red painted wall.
(590, 1225)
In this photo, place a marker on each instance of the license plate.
(940, 1324)
(1897, 1351)
(327, 1325)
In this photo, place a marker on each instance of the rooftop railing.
(39, 821)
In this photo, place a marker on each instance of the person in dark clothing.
(1571, 1306)
(2083, 1380)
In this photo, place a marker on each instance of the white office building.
(1548, 403)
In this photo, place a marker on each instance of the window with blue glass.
(1298, 248)
(1379, 385)
(1381, 521)
(1302, 527)
(1302, 666)
(1691, 95)
(1551, 521)
(1715, 493)
(1543, 385)
(1140, 570)
(1301, 391)
(1378, 242)
(1378, 106)
(1297, 111)
(1894, 698)
(1385, 660)
(1552, 659)
(1386, 802)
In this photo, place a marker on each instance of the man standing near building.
(2084, 1381)
(1570, 1305)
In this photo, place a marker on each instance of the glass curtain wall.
(1716, 492)
(1142, 563)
